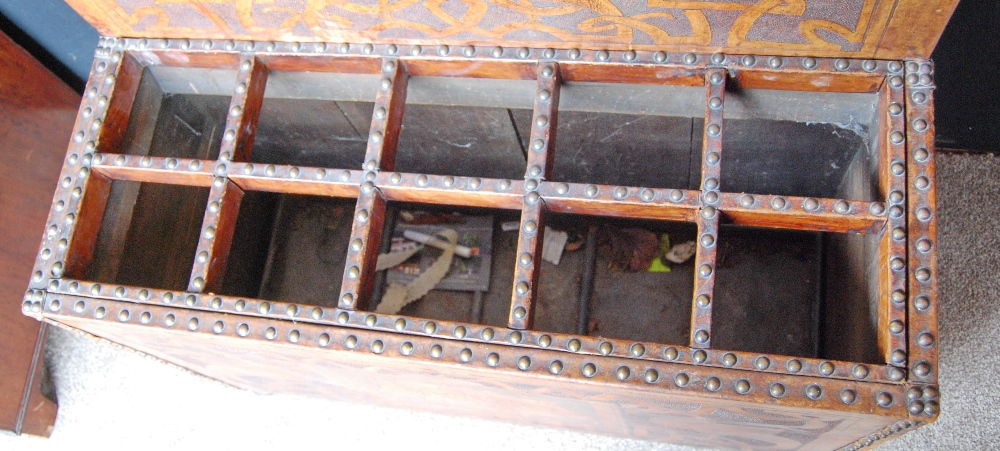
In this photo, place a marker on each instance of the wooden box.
(237, 168)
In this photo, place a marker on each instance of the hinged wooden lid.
(882, 29)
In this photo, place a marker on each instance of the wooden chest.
(237, 168)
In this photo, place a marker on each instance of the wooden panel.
(361, 367)
(781, 27)
(37, 111)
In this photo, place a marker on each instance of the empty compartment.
(476, 288)
(148, 235)
(173, 117)
(632, 298)
(630, 135)
(315, 119)
(772, 145)
(289, 247)
(796, 293)
(460, 127)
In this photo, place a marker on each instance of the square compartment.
(806, 144)
(289, 247)
(454, 298)
(639, 305)
(796, 293)
(315, 119)
(148, 236)
(172, 117)
(629, 135)
(446, 130)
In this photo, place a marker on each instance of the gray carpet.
(118, 399)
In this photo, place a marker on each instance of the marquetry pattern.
(908, 337)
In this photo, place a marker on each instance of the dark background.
(966, 60)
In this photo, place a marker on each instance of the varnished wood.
(37, 111)
(870, 28)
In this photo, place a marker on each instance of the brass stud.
(544, 341)
(922, 369)
(370, 320)
(701, 336)
(406, 348)
(465, 355)
(218, 327)
(520, 313)
(486, 334)
(713, 384)
(589, 370)
(809, 62)
(515, 337)
(777, 390)
(573, 345)
(690, 58)
(841, 207)
(168, 320)
(524, 363)
(793, 366)
(637, 350)
(436, 351)
(264, 308)
(883, 399)
(896, 326)
(399, 324)
(747, 200)
(826, 368)
(742, 386)
(243, 329)
(342, 317)
(848, 396)
(729, 359)
(660, 57)
(681, 379)
(323, 340)
(351, 342)
(925, 339)
(651, 376)
(699, 356)
(670, 353)
(493, 359)
(814, 392)
(898, 357)
(123, 315)
(556, 367)
(79, 307)
(762, 363)
(702, 301)
(459, 332)
(193, 324)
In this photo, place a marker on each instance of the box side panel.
(362, 377)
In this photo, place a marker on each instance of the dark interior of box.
(777, 291)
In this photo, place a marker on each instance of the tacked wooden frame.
(827, 403)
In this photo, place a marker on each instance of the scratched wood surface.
(859, 28)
